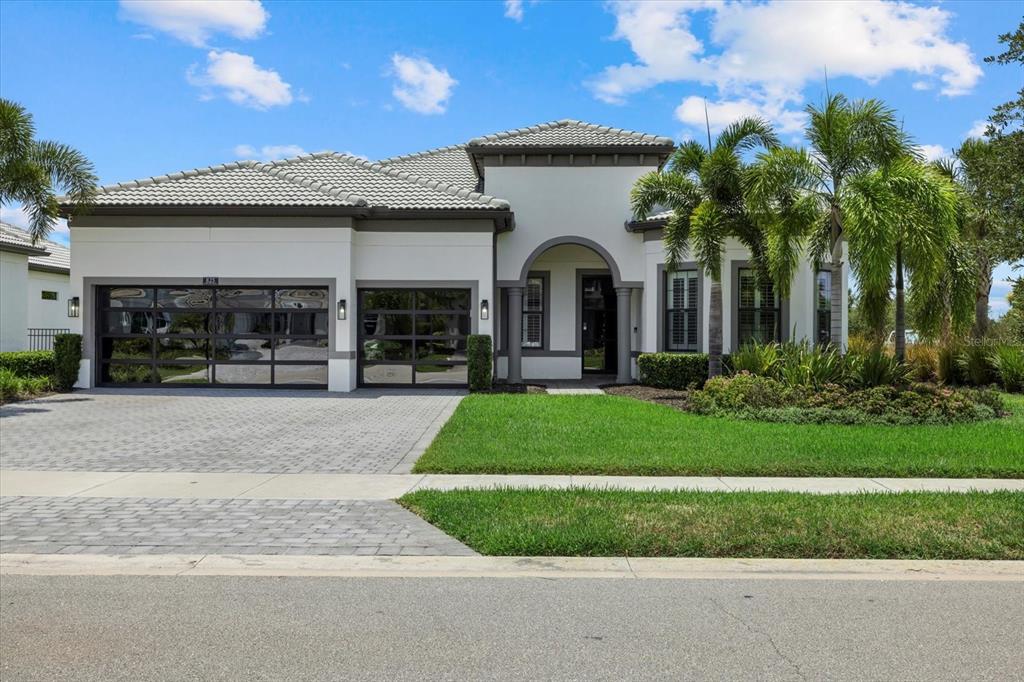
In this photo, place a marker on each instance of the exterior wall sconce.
(73, 307)
(485, 310)
(342, 312)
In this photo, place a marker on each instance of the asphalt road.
(248, 628)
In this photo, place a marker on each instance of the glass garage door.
(413, 337)
(225, 336)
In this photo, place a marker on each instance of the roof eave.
(645, 225)
(56, 269)
(23, 249)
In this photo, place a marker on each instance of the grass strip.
(615, 435)
(540, 522)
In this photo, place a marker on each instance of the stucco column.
(622, 308)
(515, 335)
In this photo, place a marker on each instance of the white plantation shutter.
(533, 313)
(681, 311)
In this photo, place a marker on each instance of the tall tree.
(901, 219)
(811, 191)
(704, 190)
(33, 171)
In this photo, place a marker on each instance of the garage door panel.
(225, 336)
(412, 336)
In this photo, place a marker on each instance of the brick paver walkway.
(92, 525)
(222, 431)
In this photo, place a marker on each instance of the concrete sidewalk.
(186, 485)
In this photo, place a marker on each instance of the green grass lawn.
(704, 524)
(549, 434)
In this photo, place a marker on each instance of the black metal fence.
(42, 339)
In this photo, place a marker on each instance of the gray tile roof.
(43, 255)
(16, 239)
(59, 259)
(322, 179)
(570, 133)
(242, 183)
(451, 164)
(653, 221)
(386, 185)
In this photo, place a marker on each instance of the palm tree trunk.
(715, 330)
(901, 313)
(981, 301)
(836, 315)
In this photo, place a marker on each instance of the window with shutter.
(533, 313)
(681, 312)
(758, 312)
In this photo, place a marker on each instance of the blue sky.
(154, 87)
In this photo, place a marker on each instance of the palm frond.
(67, 169)
(747, 133)
(659, 190)
(688, 158)
(708, 231)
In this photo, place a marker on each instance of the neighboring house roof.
(325, 179)
(16, 240)
(570, 133)
(43, 255)
(451, 164)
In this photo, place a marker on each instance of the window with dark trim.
(759, 312)
(823, 306)
(681, 316)
(49, 295)
(533, 313)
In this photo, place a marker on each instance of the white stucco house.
(333, 271)
(34, 282)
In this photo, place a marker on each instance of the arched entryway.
(592, 311)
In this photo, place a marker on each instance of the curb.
(510, 567)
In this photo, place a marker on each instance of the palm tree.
(902, 219)
(950, 307)
(704, 190)
(30, 171)
(803, 195)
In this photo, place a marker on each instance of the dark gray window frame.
(210, 336)
(544, 275)
(663, 308)
(734, 306)
(815, 310)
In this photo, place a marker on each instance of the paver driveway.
(220, 430)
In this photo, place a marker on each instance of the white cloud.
(268, 152)
(767, 53)
(421, 86)
(977, 129)
(16, 215)
(194, 21)
(241, 80)
(723, 112)
(514, 9)
(921, 85)
(932, 152)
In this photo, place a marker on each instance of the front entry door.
(598, 318)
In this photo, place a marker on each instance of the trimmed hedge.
(28, 363)
(480, 359)
(67, 351)
(678, 371)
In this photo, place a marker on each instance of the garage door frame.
(91, 328)
(473, 313)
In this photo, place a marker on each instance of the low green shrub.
(747, 396)
(760, 359)
(28, 363)
(15, 387)
(975, 364)
(480, 360)
(1009, 365)
(923, 362)
(678, 371)
(875, 368)
(67, 355)
(948, 368)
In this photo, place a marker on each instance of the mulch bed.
(663, 396)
